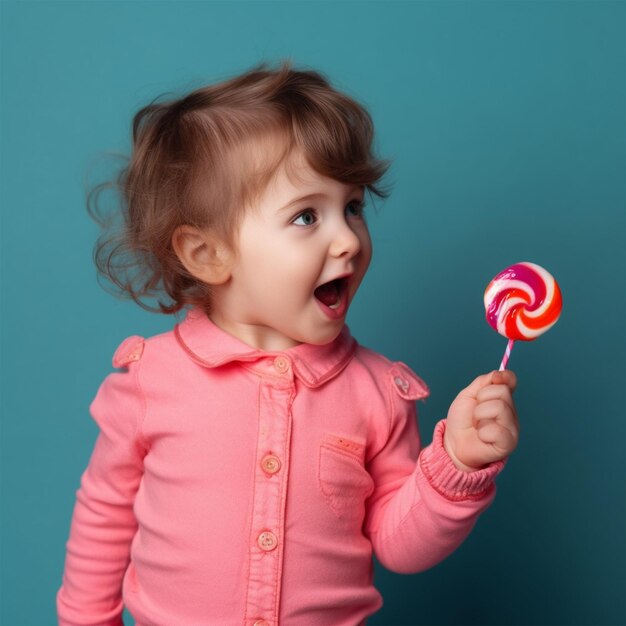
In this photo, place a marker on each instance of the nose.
(345, 242)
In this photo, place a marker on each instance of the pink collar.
(209, 345)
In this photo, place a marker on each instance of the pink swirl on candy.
(522, 302)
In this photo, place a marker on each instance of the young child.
(252, 460)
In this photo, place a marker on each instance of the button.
(281, 364)
(261, 622)
(401, 384)
(270, 464)
(267, 541)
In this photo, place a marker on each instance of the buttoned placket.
(266, 543)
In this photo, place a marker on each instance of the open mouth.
(332, 293)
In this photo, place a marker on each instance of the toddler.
(251, 461)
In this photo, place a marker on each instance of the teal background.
(505, 122)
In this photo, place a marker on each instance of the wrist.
(449, 480)
(449, 448)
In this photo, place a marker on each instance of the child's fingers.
(497, 435)
(497, 410)
(493, 409)
(495, 392)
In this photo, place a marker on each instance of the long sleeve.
(103, 523)
(422, 507)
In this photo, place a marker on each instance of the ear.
(204, 255)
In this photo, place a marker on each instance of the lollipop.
(522, 302)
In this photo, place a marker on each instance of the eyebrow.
(313, 196)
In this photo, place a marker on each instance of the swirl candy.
(522, 302)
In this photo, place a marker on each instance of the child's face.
(285, 251)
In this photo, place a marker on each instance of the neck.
(255, 335)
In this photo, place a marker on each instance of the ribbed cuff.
(447, 479)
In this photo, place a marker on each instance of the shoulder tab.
(406, 383)
(129, 350)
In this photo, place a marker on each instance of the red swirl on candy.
(523, 301)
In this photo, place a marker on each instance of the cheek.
(284, 272)
(300, 260)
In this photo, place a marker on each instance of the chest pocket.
(342, 478)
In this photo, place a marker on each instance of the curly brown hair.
(195, 160)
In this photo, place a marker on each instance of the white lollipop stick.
(507, 354)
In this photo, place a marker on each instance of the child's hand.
(482, 425)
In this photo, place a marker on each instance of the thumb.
(471, 391)
(504, 377)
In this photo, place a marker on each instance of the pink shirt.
(231, 486)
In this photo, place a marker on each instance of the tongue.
(328, 293)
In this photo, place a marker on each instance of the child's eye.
(356, 208)
(306, 218)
